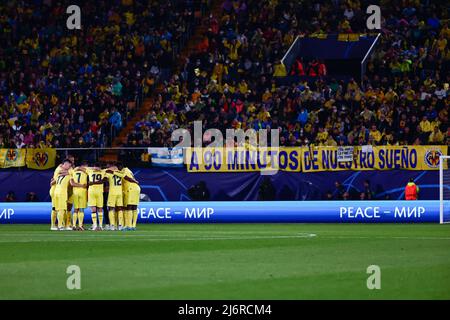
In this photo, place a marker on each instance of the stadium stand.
(125, 79)
(80, 88)
(230, 80)
(140, 69)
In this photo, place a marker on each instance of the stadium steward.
(411, 190)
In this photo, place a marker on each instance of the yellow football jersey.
(127, 173)
(55, 176)
(115, 182)
(62, 184)
(57, 171)
(95, 176)
(79, 176)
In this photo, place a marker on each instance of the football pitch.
(227, 261)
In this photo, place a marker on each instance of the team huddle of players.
(83, 186)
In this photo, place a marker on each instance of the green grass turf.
(228, 261)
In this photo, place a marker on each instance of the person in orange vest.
(297, 68)
(322, 69)
(411, 190)
(313, 68)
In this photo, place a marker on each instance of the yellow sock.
(94, 219)
(80, 218)
(100, 219)
(120, 215)
(112, 218)
(68, 218)
(135, 216)
(61, 219)
(128, 218)
(53, 218)
(125, 218)
(116, 217)
(74, 219)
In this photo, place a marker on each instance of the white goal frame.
(441, 189)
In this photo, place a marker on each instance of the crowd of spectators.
(231, 79)
(77, 88)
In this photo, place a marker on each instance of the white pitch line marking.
(130, 238)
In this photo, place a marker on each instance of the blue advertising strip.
(252, 211)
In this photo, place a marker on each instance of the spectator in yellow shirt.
(375, 134)
(409, 94)
(243, 87)
(436, 136)
(322, 135)
(330, 142)
(425, 125)
(233, 48)
(352, 85)
(391, 96)
(441, 43)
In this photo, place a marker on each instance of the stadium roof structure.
(333, 47)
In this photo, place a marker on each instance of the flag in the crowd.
(41, 159)
(166, 157)
(11, 121)
(12, 158)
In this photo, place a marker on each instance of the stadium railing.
(128, 155)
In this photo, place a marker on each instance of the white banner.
(345, 154)
(166, 157)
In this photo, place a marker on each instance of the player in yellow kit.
(69, 206)
(61, 193)
(95, 195)
(79, 182)
(115, 197)
(58, 169)
(131, 194)
(53, 225)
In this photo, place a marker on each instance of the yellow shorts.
(52, 195)
(115, 200)
(60, 202)
(80, 198)
(95, 199)
(131, 198)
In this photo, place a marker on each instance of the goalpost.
(444, 189)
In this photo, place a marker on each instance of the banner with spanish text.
(41, 159)
(242, 159)
(12, 158)
(315, 159)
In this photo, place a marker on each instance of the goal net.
(444, 189)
